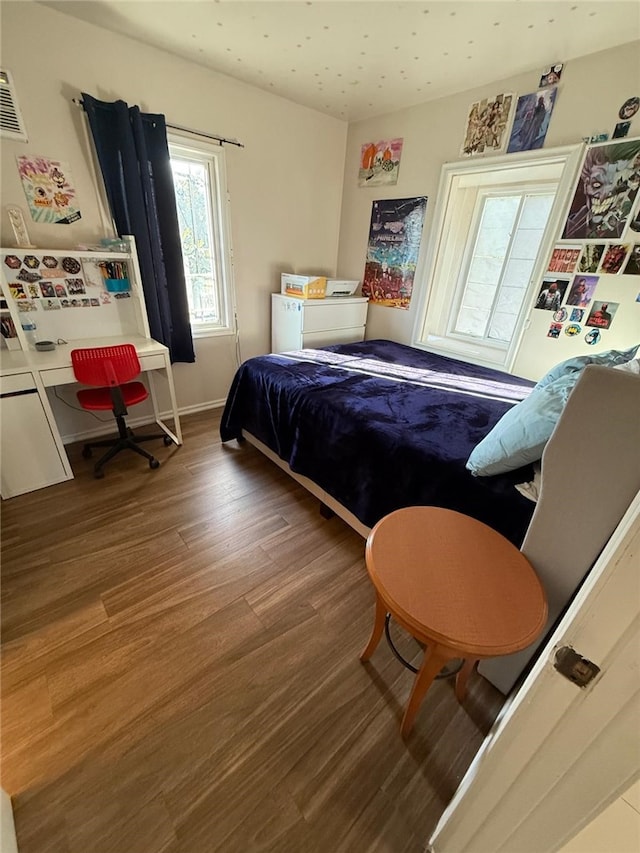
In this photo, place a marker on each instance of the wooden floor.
(180, 669)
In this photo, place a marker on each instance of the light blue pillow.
(610, 358)
(521, 433)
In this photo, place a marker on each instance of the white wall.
(285, 185)
(591, 91)
(293, 192)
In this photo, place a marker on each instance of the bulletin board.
(70, 295)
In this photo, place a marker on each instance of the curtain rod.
(220, 139)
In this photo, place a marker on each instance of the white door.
(559, 754)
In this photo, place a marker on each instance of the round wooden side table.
(457, 586)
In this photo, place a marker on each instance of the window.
(508, 237)
(201, 198)
(494, 225)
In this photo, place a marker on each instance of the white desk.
(31, 448)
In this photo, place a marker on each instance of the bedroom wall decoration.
(39, 281)
(590, 257)
(551, 75)
(606, 190)
(487, 122)
(380, 163)
(629, 108)
(564, 258)
(614, 258)
(621, 130)
(49, 189)
(582, 290)
(633, 262)
(602, 314)
(551, 293)
(531, 121)
(392, 250)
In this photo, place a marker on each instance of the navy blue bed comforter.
(379, 426)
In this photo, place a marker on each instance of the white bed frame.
(590, 475)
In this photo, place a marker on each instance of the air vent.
(11, 123)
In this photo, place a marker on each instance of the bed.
(374, 426)
(378, 426)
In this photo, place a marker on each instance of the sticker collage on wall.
(600, 226)
(47, 283)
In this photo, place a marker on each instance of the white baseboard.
(198, 407)
(106, 427)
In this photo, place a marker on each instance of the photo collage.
(601, 231)
(49, 283)
(569, 288)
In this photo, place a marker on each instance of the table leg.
(434, 659)
(378, 628)
(463, 676)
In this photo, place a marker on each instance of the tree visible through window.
(197, 180)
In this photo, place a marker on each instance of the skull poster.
(607, 186)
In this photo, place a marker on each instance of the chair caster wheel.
(167, 441)
(98, 474)
(153, 463)
(86, 453)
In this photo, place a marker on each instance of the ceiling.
(353, 59)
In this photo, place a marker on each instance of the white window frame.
(440, 265)
(212, 155)
(476, 219)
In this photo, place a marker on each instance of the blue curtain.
(133, 154)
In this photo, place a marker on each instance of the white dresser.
(298, 323)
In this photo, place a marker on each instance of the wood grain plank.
(180, 669)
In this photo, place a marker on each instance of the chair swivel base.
(126, 441)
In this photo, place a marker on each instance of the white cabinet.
(298, 323)
(29, 453)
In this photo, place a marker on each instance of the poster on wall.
(582, 290)
(380, 163)
(551, 75)
(551, 293)
(607, 187)
(531, 122)
(633, 264)
(590, 257)
(486, 125)
(49, 189)
(392, 250)
(602, 314)
(634, 221)
(564, 258)
(614, 259)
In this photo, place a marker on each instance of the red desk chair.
(109, 370)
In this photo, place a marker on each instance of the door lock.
(573, 666)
